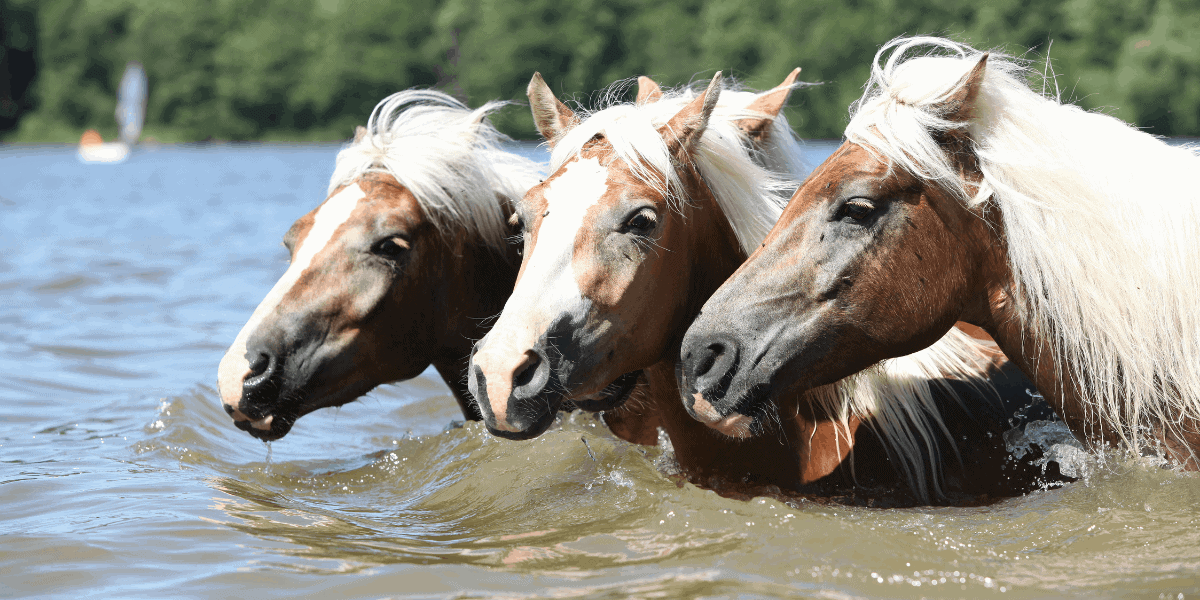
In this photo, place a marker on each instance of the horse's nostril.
(708, 359)
(259, 365)
(263, 369)
(525, 374)
(712, 366)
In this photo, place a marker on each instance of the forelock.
(449, 156)
(749, 191)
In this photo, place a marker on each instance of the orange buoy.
(91, 137)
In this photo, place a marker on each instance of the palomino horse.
(648, 209)
(399, 268)
(961, 194)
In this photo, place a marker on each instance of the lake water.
(121, 287)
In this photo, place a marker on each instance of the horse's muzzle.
(517, 394)
(712, 391)
(260, 410)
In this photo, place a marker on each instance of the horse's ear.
(648, 91)
(551, 116)
(769, 103)
(960, 105)
(360, 133)
(684, 129)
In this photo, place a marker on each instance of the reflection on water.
(122, 477)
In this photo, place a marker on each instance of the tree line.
(313, 69)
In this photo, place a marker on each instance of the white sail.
(131, 103)
(131, 114)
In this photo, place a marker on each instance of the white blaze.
(549, 281)
(547, 287)
(329, 217)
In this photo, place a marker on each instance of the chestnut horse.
(399, 268)
(650, 207)
(962, 194)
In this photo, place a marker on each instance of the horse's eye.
(391, 248)
(516, 227)
(857, 209)
(642, 222)
(518, 240)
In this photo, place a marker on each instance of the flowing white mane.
(751, 195)
(1102, 221)
(447, 155)
(751, 185)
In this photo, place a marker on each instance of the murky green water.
(122, 477)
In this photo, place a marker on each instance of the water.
(121, 476)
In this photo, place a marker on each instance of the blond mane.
(1102, 221)
(448, 156)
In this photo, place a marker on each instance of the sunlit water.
(121, 476)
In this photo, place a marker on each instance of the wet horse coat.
(622, 246)
(962, 194)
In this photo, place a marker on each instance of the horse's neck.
(714, 252)
(799, 450)
(1035, 354)
(829, 439)
(454, 374)
(474, 294)
(708, 456)
(997, 309)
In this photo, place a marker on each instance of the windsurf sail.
(131, 102)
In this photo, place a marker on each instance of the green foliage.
(18, 37)
(313, 69)
(225, 69)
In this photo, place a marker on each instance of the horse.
(648, 208)
(963, 194)
(399, 268)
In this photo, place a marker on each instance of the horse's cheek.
(604, 271)
(361, 294)
(837, 258)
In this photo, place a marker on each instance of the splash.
(591, 454)
(164, 410)
(1052, 439)
(1056, 443)
(665, 462)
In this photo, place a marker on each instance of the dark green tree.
(313, 69)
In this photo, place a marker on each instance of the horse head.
(869, 261)
(964, 193)
(622, 243)
(391, 273)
